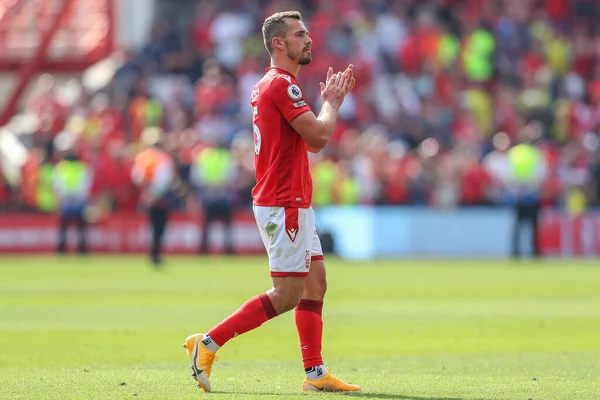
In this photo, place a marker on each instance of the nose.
(308, 40)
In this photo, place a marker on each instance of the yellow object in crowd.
(214, 164)
(71, 173)
(349, 192)
(324, 176)
(476, 57)
(524, 159)
(576, 202)
(481, 105)
(45, 197)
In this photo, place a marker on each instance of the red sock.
(309, 321)
(250, 315)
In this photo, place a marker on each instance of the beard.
(305, 59)
(301, 57)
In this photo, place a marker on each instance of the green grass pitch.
(111, 327)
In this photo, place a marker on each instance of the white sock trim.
(209, 343)
(317, 372)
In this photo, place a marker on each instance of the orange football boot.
(202, 359)
(328, 383)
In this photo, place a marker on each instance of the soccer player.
(284, 129)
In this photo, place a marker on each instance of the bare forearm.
(327, 118)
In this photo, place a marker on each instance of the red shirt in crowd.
(475, 182)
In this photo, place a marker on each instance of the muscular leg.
(309, 322)
(315, 286)
(282, 297)
(201, 348)
(288, 275)
(293, 280)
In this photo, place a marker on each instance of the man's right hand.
(316, 131)
(337, 86)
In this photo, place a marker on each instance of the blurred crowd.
(444, 88)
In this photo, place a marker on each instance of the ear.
(277, 42)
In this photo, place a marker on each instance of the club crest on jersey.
(294, 92)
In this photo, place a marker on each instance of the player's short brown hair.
(275, 26)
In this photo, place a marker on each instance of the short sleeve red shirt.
(282, 170)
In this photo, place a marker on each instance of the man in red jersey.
(284, 129)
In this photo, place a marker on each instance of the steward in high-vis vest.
(213, 175)
(528, 171)
(154, 171)
(72, 182)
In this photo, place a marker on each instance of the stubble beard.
(305, 60)
(301, 58)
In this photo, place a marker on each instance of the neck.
(286, 65)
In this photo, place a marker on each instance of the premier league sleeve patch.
(294, 92)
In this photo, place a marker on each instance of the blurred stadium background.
(420, 163)
(465, 113)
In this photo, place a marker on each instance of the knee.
(285, 300)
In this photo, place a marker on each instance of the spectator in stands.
(453, 71)
(475, 182)
(144, 111)
(50, 112)
(114, 170)
(497, 166)
(4, 191)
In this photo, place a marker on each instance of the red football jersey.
(282, 171)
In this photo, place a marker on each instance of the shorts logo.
(294, 92)
(307, 260)
(292, 232)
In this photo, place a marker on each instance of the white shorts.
(290, 238)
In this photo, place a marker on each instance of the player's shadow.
(279, 395)
(356, 394)
(398, 396)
